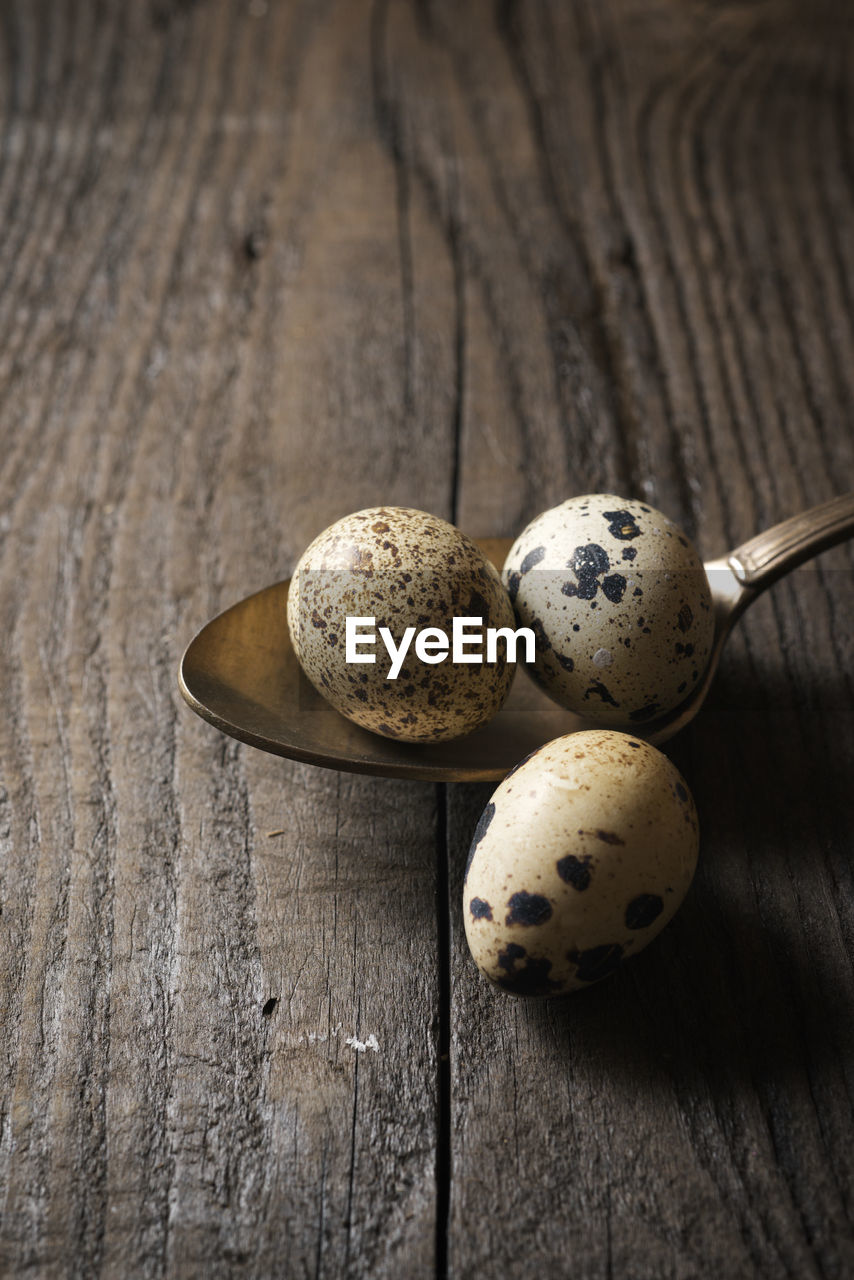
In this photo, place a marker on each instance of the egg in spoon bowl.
(621, 606)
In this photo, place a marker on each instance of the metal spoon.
(241, 674)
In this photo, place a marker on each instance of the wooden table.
(266, 263)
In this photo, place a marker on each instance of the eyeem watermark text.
(432, 644)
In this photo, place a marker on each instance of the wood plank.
(692, 1116)
(208, 353)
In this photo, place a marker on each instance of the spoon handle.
(765, 558)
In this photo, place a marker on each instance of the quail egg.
(620, 605)
(411, 574)
(584, 853)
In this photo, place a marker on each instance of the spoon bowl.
(241, 673)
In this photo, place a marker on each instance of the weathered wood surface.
(266, 263)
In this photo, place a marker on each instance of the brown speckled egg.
(583, 855)
(620, 604)
(404, 568)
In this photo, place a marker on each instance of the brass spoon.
(241, 673)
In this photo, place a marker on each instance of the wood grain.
(267, 263)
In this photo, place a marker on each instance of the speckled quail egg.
(620, 605)
(403, 569)
(584, 853)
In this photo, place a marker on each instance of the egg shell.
(583, 855)
(405, 568)
(620, 605)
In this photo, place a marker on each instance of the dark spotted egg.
(584, 853)
(620, 605)
(404, 569)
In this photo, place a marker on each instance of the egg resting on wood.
(620, 604)
(584, 853)
(404, 568)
